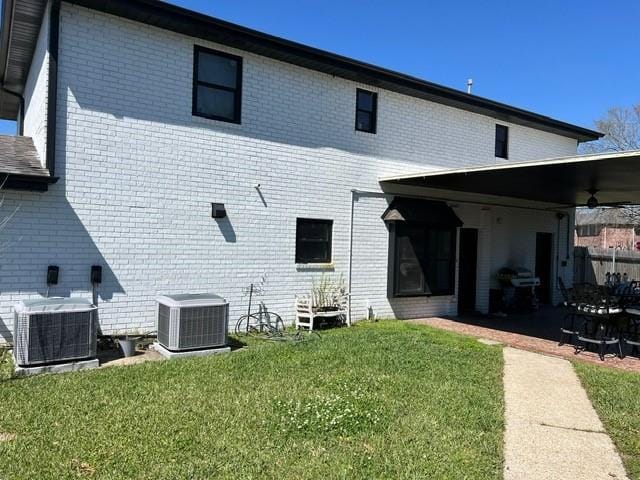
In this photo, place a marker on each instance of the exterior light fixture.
(218, 210)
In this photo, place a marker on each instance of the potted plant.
(326, 293)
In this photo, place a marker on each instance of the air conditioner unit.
(192, 321)
(53, 330)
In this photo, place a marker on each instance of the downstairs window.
(313, 240)
(422, 247)
(423, 259)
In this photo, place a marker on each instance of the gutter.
(197, 25)
(52, 92)
(8, 11)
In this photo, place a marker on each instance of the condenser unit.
(53, 330)
(192, 321)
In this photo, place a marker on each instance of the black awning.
(403, 209)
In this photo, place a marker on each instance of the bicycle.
(260, 322)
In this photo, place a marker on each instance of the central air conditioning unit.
(54, 330)
(192, 321)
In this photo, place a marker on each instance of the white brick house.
(108, 101)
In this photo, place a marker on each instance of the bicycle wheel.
(245, 324)
(274, 322)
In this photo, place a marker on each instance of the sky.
(568, 59)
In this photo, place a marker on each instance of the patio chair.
(603, 320)
(631, 336)
(568, 330)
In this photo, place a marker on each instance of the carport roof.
(560, 181)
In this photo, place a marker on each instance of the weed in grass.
(345, 411)
(6, 364)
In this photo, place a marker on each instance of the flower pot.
(128, 346)
(327, 309)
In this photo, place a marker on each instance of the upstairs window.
(217, 85)
(502, 141)
(366, 111)
(313, 240)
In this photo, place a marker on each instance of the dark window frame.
(300, 257)
(237, 110)
(373, 112)
(502, 146)
(392, 284)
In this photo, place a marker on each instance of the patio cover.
(559, 181)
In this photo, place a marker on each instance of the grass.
(384, 400)
(615, 395)
(6, 364)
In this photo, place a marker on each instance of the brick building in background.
(606, 228)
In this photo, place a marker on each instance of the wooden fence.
(592, 264)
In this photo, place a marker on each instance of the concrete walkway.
(552, 430)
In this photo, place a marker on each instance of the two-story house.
(138, 119)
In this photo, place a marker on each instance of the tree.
(621, 128)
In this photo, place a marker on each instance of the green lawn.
(616, 397)
(384, 400)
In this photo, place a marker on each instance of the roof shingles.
(18, 156)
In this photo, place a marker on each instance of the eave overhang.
(21, 22)
(557, 182)
(180, 20)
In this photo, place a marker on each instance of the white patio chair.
(304, 312)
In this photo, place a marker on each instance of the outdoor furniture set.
(602, 316)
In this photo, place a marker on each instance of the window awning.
(614, 176)
(415, 210)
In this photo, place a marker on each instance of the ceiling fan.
(593, 202)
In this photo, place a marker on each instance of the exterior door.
(468, 270)
(544, 262)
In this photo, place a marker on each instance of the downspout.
(353, 201)
(355, 192)
(52, 91)
(569, 233)
(559, 216)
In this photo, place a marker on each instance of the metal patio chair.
(631, 336)
(603, 320)
(569, 329)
